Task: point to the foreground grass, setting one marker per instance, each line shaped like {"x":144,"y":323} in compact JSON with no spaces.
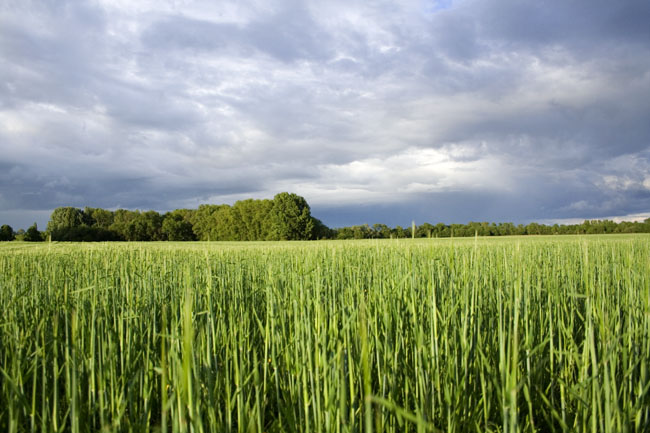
{"x":509,"y":334}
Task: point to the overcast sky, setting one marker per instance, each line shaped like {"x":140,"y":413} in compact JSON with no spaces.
{"x":374,"y":111}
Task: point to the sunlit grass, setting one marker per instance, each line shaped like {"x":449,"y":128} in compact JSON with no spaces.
{"x":509,"y":334}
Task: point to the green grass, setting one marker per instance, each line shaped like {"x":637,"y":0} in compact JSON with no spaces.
{"x":527,"y":334}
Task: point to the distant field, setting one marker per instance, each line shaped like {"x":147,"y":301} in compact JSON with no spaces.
{"x":460,"y":335}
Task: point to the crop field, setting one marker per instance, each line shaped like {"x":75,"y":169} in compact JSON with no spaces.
{"x":530,"y":334}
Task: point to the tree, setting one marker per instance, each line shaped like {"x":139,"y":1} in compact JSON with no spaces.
{"x":399,"y":232}
{"x":291,"y":217}
{"x":137,"y":226}
{"x":424,"y":231}
{"x":204,"y":222}
{"x":177,"y":228}
{"x":362,"y":232}
{"x":153,"y":222}
{"x":344,"y":233}
{"x":143,"y":226}
{"x":226,"y":227}
{"x":7,"y":233}
{"x":321,"y":231}
{"x":121,"y":220}
{"x":441,"y":231}
{"x":64,"y":218}
{"x":504,"y":229}
{"x":32,"y":234}
{"x":381,"y":231}
{"x":101,"y":218}
{"x":252,"y":219}
{"x":74,"y":225}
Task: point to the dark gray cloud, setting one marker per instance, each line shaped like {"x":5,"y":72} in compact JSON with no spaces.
{"x":375,"y":112}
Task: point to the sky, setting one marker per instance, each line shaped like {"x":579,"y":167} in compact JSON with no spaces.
{"x":374,"y":111}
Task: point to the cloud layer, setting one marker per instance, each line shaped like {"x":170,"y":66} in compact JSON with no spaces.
{"x":374,"y":111}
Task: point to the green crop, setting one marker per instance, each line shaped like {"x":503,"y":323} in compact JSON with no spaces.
{"x":512,"y":334}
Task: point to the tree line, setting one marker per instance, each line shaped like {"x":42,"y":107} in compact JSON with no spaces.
{"x":286,"y":217}
{"x":440,"y":230}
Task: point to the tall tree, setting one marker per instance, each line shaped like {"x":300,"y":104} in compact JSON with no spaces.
{"x":64,"y":218}
{"x":291,"y":217}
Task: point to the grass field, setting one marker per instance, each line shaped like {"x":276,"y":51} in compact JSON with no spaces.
{"x":475,"y":335}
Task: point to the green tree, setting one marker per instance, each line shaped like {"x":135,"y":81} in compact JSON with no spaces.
{"x":226,"y":224}
{"x":399,"y":232}
{"x":177,"y":228}
{"x":381,"y":231}
{"x":64,"y":218}
{"x":98,"y":217}
{"x":321,"y":231}
{"x":362,"y":232}
{"x":291,"y":218}
{"x":32,"y":234}
{"x":137,"y":226}
{"x":425,"y":230}
{"x":344,"y":233}
{"x":505,"y":229}
{"x":441,"y":230}
{"x":251,"y":218}
{"x":204,"y":222}
{"x":7,"y":233}
{"x":144,"y":226}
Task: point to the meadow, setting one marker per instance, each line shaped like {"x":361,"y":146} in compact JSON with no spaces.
{"x":513,"y":334}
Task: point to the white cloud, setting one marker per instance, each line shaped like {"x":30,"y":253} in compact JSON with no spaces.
{"x":618,"y":183}
{"x":402,"y":176}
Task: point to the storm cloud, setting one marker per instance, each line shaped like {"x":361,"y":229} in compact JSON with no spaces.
{"x":373,"y":111}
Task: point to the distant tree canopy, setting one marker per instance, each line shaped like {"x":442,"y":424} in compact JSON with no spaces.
{"x":286,"y":217}
{"x":441,"y":230}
